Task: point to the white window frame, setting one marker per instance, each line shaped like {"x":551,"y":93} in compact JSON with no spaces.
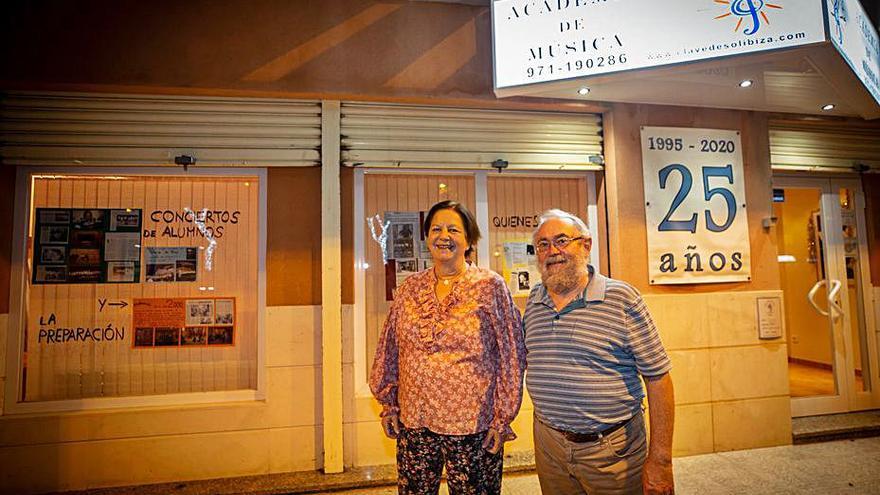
{"x":481,"y":212}
{"x":18,"y":284}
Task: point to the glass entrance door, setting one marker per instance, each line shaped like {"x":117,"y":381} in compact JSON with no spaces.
{"x":823,"y":263}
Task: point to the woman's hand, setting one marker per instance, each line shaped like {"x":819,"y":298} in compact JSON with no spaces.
{"x":391,"y":425}
{"x":492,"y":443}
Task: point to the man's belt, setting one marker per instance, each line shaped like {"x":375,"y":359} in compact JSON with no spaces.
{"x":573,"y":436}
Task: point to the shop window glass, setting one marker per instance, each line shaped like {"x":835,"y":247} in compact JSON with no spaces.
{"x":515,"y":201}
{"x":140,"y":285}
{"x":515,"y":204}
{"x":399,"y":200}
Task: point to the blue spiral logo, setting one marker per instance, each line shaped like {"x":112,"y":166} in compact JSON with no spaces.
{"x":748,"y":9}
{"x":751,"y":11}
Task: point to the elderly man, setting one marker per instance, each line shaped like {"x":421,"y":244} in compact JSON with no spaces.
{"x":589,"y":338}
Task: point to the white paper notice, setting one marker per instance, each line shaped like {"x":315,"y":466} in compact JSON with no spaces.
{"x":122,"y":246}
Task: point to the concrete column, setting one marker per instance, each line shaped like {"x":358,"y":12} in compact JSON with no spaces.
{"x":331,"y":288}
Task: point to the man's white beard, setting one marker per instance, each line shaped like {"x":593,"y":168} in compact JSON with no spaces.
{"x":567,"y":279}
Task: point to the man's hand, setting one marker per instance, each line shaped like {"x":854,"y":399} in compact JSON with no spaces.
{"x":391,"y":425}
{"x":657,"y":477}
{"x":492,"y":443}
{"x":657,"y":472}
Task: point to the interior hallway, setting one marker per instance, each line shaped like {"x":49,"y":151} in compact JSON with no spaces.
{"x":807,"y":381}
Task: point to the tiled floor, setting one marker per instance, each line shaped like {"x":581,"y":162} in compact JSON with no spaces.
{"x":842,"y":467}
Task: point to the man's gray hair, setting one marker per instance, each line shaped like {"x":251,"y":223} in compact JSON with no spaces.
{"x":563,"y":215}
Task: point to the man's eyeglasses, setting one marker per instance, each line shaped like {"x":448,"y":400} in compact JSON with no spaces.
{"x":560,"y":243}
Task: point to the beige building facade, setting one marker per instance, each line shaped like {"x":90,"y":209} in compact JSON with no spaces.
{"x":306,"y":119}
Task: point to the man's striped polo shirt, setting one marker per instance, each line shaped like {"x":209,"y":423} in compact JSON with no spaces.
{"x":584,"y":361}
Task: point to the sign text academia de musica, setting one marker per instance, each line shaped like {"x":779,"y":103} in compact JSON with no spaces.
{"x":533,"y":8}
{"x":538,"y":41}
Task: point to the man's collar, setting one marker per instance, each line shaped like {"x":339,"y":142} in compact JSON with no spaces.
{"x":595,"y":291}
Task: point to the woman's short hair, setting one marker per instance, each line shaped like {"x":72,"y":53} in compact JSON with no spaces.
{"x":563,"y":215}
{"x":471,"y":229}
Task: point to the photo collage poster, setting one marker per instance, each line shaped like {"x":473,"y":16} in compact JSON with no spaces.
{"x":171,"y":264}
{"x":87,"y":246}
{"x":406,"y":250}
{"x":184,"y":322}
{"x":520,"y":267}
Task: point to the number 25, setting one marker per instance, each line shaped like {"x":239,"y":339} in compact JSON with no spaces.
{"x":687,"y":182}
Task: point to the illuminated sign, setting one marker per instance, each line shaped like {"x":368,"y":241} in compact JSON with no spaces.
{"x":538,"y":41}
{"x":856,"y":40}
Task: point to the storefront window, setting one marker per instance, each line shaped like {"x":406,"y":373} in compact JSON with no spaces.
{"x":393,"y":209}
{"x":515,"y":204}
{"x":400,"y":200}
{"x":140,"y":285}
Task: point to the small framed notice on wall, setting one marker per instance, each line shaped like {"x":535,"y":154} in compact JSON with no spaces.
{"x":769,"y":317}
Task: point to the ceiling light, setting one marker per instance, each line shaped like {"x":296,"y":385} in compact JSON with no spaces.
{"x":584,"y":91}
{"x":746,"y":83}
{"x":828,"y":107}
{"x":785,"y":258}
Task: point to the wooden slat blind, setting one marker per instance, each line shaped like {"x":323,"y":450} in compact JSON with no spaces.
{"x":528,"y":196}
{"x":385,"y":192}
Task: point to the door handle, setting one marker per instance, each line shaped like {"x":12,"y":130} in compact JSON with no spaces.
{"x":832,"y":299}
{"x":811,"y":298}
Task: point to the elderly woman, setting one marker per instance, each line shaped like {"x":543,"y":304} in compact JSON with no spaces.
{"x":449,"y":365}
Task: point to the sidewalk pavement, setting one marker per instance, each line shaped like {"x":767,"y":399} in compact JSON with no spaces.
{"x":831,"y":468}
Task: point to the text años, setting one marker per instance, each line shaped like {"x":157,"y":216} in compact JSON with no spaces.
{"x":716,"y":262}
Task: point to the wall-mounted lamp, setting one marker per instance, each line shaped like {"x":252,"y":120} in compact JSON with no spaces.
{"x":500,"y":164}
{"x":185,"y":160}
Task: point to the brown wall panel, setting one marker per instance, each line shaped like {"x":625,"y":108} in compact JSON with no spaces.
{"x":391,"y":50}
{"x":293,"y":237}
{"x":342,"y":46}
{"x":628,"y":250}
{"x":7,"y":206}
{"x":871,"y":185}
